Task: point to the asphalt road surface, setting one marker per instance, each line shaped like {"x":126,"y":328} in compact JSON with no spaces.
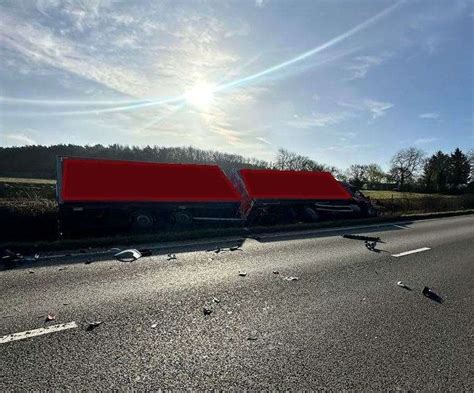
{"x":344,"y":324}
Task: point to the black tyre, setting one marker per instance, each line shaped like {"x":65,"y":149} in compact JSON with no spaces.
{"x":183,"y":219}
{"x":142,"y":221}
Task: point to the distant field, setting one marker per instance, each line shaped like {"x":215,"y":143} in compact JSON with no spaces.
{"x":404,"y":195}
{"x":27,"y":181}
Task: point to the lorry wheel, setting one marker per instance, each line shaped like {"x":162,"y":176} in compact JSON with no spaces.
{"x":183,"y":219}
{"x":311,"y":215}
{"x":142,"y":220}
{"x":371,"y":212}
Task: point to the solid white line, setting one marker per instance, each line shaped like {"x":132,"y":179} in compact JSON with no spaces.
{"x":398,"y":226}
{"x":37,"y":332}
{"x":411,"y":252}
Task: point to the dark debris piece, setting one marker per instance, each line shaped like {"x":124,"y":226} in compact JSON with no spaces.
{"x":207,"y":311}
{"x":276,"y":272}
{"x":50,"y":317}
{"x":93,"y":325}
{"x":430,"y":293}
{"x":364,"y":238}
{"x":172,"y":257}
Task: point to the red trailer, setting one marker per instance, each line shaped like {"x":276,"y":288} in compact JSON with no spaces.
{"x":97,"y":192}
{"x":274,"y":195}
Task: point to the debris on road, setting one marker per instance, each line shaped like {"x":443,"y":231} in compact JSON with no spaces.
{"x":93,"y":325}
{"x":215,"y":300}
{"x":30,"y":271}
{"x":365,"y":238}
{"x":291,"y":278}
{"x":370,"y":245}
{"x":242,"y":274}
{"x":207,"y":311}
{"x":404,"y":286}
{"x":430,"y":293}
{"x":252,"y":338}
{"x":172,"y":257}
{"x":154,"y":325}
{"x":130,"y":255}
{"x":235,"y":248}
{"x":276,"y":272}
{"x":50,"y":317}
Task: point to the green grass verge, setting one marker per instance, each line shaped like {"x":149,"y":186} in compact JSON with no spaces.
{"x":24,"y":180}
{"x":406,"y":195}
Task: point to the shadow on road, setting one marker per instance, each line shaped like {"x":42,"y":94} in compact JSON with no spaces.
{"x":90,"y":256}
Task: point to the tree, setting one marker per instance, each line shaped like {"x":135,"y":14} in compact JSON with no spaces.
{"x":287,"y":160}
{"x":357,"y":175}
{"x":435,"y":172}
{"x":375,"y":174}
{"x":458,"y":170}
{"x":405,"y":165}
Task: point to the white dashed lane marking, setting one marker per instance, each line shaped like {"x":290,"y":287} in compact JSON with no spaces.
{"x":37,"y":332}
{"x":402,"y":254}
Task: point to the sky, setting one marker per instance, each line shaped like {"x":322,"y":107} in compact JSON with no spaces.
{"x":343,"y":81}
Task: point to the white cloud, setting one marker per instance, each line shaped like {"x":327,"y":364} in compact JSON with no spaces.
{"x":318,"y":120}
{"x":362,"y":65}
{"x":377,"y":108}
{"x":429,"y":115}
{"x":19,"y":139}
{"x":261,"y":3}
{"x":425,"y":141}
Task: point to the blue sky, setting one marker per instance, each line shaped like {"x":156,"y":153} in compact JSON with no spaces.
{"x":340,"y":81}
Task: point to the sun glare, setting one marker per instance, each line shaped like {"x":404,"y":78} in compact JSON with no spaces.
{"x":201,"y":95}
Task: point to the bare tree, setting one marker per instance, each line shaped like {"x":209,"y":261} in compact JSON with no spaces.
{"x":375,"y":174}
{"x":287,"y":160}
{"x":357,"y":175}
{"x":405,"y":165}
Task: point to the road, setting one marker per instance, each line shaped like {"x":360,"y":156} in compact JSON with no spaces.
{"x":344,"y":324}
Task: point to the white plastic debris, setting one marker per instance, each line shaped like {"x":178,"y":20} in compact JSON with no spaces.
{"x":128,"y":255}
{"x":172,"y":257}
{"x":154,"y":325}
{"x":403,"y":285}
{"x":242,"y":274}
{"x":291,"y":278}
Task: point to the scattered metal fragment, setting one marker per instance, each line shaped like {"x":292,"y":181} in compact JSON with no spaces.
{"x":252,"y":338}
{"x":242,"y":274}
{"x":215,"y":300}
{"x":30,"y":271}
{"x":128,"y":255}
{"x":93,"y":325}
{"x":154,"y":325}
{"x":50,"y":317}
{"x":172,"y":257}
{"x":370,"y":245}
{"x":276,"y":272}
{"x":207,"y":311}
{"x":403,"y":285}
{"x":430,"y":293}
{"x":291,"y":278}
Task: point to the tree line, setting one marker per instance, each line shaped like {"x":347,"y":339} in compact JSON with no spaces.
{"x":410,"y":168}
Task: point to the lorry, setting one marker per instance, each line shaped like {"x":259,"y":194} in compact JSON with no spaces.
{"x":99,"y":194}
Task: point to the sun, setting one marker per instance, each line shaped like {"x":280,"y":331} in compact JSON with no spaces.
{"x":200,"y":95}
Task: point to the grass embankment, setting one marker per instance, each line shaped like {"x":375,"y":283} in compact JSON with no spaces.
{"x":28,"y":212}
